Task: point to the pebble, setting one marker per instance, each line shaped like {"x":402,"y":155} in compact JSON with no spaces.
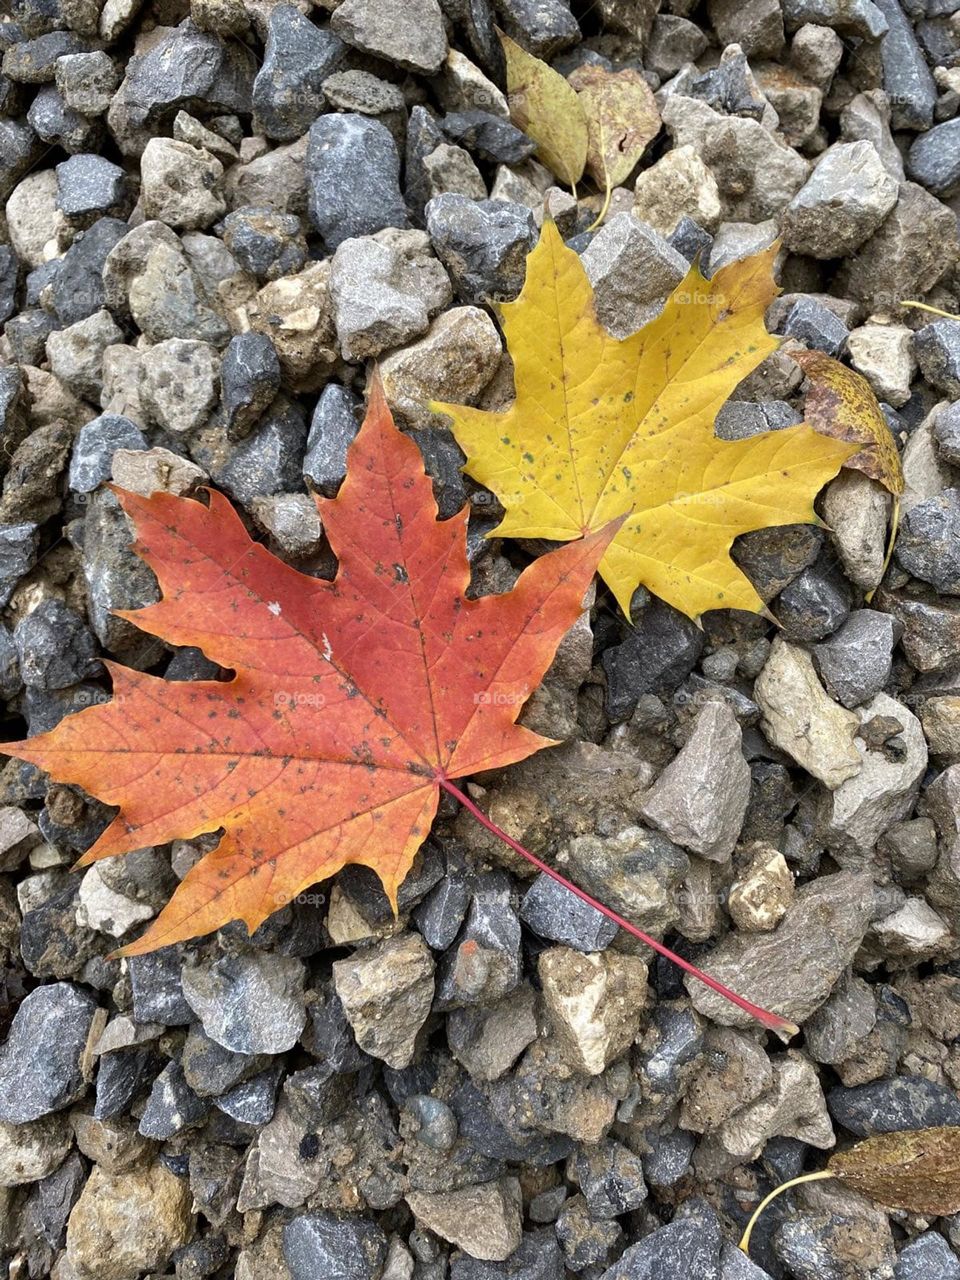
{"x":893,"y":1104}
{"x":679,"y":185}
{"x":594,"y":1004}
{"x":89,"y":184}
{"x":883,"y":353}
{"x":353,"y":178}
{"x":700,"y":799}
{"x":901,"y":259}
{"x":794,"y":968}
{"x":265,"y":242}
{"x":484,"y":1220}
{"x":656,"y":656}
{"x":298,"y":56}
{"x":632,"y":269}
{"x":842,"y":203}
{"x":95,"y":446}
{"x":87,"y":81}
{"x":249,"y":380}
{"x":811,"y":323}
{"x":127,"y":1223}
{"x":799,"y":717}
{"x":856,"y":661}
{"x":49,"y":1031}
{"x":332,"y":429}
{"x":937,"y":350}
{"x":488,"y":1041}
{"x":685,"y":1246}
{"x":346,"y":1248}
{"x":386,"y":992}
{"x":180,"y":379}
{"x":934,"y":158}
{"x":557,"y":915}
{"x":483,"y":244}
{"x":248,"y":1002}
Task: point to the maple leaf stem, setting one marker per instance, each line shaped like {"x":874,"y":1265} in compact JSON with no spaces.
{"x":772,"y":1021}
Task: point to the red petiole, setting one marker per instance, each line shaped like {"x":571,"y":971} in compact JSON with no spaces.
{"x":772,"y":1021}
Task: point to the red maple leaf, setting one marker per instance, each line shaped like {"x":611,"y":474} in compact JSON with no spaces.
{"x":352,"y":704}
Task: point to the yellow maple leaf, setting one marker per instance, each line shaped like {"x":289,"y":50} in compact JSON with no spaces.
{"x":602,"y":427}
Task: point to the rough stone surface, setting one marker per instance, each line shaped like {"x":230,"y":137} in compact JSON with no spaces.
{"x":386,"y":994}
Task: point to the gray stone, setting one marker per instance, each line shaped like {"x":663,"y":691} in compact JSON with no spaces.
{"x":76,"y":353}
{"x":656,"y":656}
{"x":937,"y":348}
{"x":78,"y":290}
{"x":97,"y":441}
{"x":816,"y":602}
{"x":927,"y":1256}
{"x":19,"y":149}
{"x":172,"y":1105}
{"x":855,"y":662}
{"x":812,"y":324}
{"x":686,"y":1246}
{"x":833,"y":1032}
{"x":632,"y":269}
{"x":934,"y":159}
{"x":34,"y":61}
{"x":674,"y":43}
{"x":322,"y":1244}
{"x":484,"y":963}
{"x":378,"y":298}
{"x":53,"y":121}
{"x":265,"y":242}
{"x":928,"y":543}
{"x":157,"y":990}
{"x":29,"y":1152}
{"x":483,"y":1220}
{"x":179,"y":383}
{"x":906,"y":77}
{"x":488,"y":136}
{"x":543,"y":27}
{"x":116,"y":579}
{"x":409,"y":33}
{"x":841,"y":205}
{"x":87,"y":81}
{"x":40,"y":1062}
{"x":55,"y":647}
{"x":386,"y":992}
{"x":700,"y":799}
{"x":905,"y":257}
{"x":854,"y":816}
{"x":9,"y":274}
{"x":488,"y":1040}
{"x":756,"y":26}
{"x":332,"y":429}
{"x":248,"y":1002}
{"x":556,"y":914}
{"x":436,"y":1125}
{"x":180,"y":184}
{"x":269,"y":460}
{"x":249,"y":380}
{"x":636,"y":872}
{"x":353,"y":178}
{"x":298,"y":56}
{"x":892,"y":1105}
{"x":611,"y":1179}
{"x":89,"y":184}
{"x":365,"y":93}
{"x":854,"y":17}
{"x":946,"y":431}
{"x":793,"y":969}
{"x":483,"y":244}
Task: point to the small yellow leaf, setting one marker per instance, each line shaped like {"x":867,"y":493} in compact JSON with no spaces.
{"x":918,"y":1169}
{"x":545,"y":106}
{"x":841,"y":403}
{"x":622,"y":118}
{"x":603,"y":427}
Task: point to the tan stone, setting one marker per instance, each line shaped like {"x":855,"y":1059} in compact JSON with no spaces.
{"x":127,"y":1223}
{"x":594,"y":1003}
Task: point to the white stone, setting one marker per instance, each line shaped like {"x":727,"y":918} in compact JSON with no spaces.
{"x":762,"y":892}
{"x":181,"y":185}
{"x":915,"y":932}
{"x":883,"y":353}
{"x":180,"y":383}
{"x":38,"y":230}
{"x":156,"y":470}
{"x":101,"y":908}
{"x":794,"y":1108}
{"x":594,"y":1003}
{"x":800,"y":718}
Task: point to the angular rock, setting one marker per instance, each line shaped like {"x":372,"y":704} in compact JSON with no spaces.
{"x":249,"y":1002}
{"x":483,"y":244}
{"x":353,"y":178}
{"x":249,"y":380}
{"x":554,"y":913}
{"x":594,"y":1003}
{"x":856,"y":661}
{"x":894,"y":1104}
{"x":409,"y":33}
{"x":298,"y":57}
{"x":632,"y":269}
{"x":906,"y":76}
{"x":386,"y":992}
{"x":842,"y":203}
{"x":180,"y":379}
{"x":94,"y":448}
{"x":322,"y":1244}
{"x":40,"y":1063}
{"x":484,"y":1220}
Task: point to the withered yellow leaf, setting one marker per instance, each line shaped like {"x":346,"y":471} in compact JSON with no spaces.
{"x":546,"y":108}
{"x":841,"y":403}
{"x":918,"y":1169}
{"x":603,"y":427}
{"x":622,"y":118}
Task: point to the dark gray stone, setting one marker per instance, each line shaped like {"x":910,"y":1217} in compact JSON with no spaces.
{"x":690,"y":239}
{"x":855,"y":662}
{"x":656,"y":656}
{"x":729,"y":88}
{"x":482,"y":243}
{"x":488,"y":136}
{"x":489,"y":946}
{"x":558,"y":915}
{"x":443,"y":462}
{"x":40,"y":1062}
{"x":269,"y":460}
{"x":333,"y":426}
{"x":928,"y":545}
{"x":538,"y":1258}
{"x":59,"y":125}
{"x":611,"y":1179}
{"x":121,"y":1077}
{"x":684,"y":1247}
{"x":265,"y":242}
{"x":250,"y":1002}
{"x":34,"y":61}
{"x":298,"y":56}
{"x":815,"y":326}
{"x":937,"y":348}
{"x":772,"y":558}
{"x":907,"y":79}
{"x":946,"y":431}
{"x":322,"y":1244}
{"x":815,"y":603}
{"x":172,"y":1105}
{"x":77,"y":289}
{"x":27,"y":333}
{"x":739,"y":419}
{"x":928,"y":1257}
{"x":45,"y":1213}
{"x":668,"y":1159}
{"x":18,"y":555}
{"x":852,"y":17}
{"x":97,"y":441}
{"x":423,"y":137}
{"x":116,"y":579}
{"x":893,"y":1104}
{"x":353,"y":178}
{"x":543,"y":27}
{"x":89,"y":184}
{"x":157,"y":990}
{"x":19,"y":149}
{"x":934,"y":158}
{"x":9,"y":276}
{"x":55,"y":647}
{"x":436,"y":1125}
{"x":249,"y":380}
{"x":441,"y":913}
{"x":252,"y":1101}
